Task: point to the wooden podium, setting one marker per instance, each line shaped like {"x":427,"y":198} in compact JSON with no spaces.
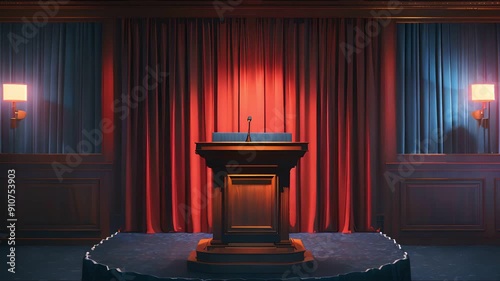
{"x":250,"y":208}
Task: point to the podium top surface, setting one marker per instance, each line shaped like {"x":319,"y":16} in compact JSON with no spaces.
{"x":281,"y":154}
{"x":264,"y":149}
{"x":259,"y":145}
{"x":251,"y":152}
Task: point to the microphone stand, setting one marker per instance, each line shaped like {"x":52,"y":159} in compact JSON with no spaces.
{"x":249,"y":139}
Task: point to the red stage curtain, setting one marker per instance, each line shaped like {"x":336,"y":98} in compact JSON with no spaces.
{"x":182,"y":79}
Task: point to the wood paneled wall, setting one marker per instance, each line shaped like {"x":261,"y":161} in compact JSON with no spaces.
{"x":445,"y":198}
{"x":74,"y":207}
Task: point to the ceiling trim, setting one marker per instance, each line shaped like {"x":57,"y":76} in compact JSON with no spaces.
{"x":409,"y":11}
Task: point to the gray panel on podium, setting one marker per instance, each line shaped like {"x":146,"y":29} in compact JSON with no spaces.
{"x":255,"y":136}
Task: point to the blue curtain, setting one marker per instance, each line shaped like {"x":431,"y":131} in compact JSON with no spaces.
{"x":61,"y":64}
{"x":436,"y":65}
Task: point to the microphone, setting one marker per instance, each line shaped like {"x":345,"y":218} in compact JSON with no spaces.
{"x":249,"y":119}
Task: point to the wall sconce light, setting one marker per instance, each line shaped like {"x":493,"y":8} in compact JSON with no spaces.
{"x":15,"y":93}
{"x":484,"y":93}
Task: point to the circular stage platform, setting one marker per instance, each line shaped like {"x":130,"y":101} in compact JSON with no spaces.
{"x":163,"y":256}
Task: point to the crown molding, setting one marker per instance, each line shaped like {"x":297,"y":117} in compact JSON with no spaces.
{"x":408,"y":11}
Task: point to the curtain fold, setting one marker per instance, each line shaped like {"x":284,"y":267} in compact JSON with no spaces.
{"x":61,"y":65}
{"x":437,"y":63}
{"x":318,"y":79}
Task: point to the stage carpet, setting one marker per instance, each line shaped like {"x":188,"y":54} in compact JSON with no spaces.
{"x":163,"y":256}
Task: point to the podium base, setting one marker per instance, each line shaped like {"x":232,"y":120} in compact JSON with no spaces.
{"x":248,"y":257}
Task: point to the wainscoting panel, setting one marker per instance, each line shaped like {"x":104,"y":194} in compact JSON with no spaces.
{"x":48,"y":204}
{"x":56,"y":207}
{"x":442,"y":204}
{"x":444,"y":199}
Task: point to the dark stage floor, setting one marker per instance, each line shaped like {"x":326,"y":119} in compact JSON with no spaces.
{"x":451,"y":263}
{"x":359,"y":256}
